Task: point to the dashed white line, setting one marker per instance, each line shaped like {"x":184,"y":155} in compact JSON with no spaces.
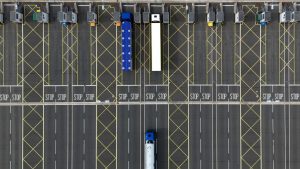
{"x":128,"y":125}
{"x":201,"y":164}
{"x":200,"y":145}
{"x":273,"y":126}
{"x":10,"y":149}
{"x":128,"y":150}
{"x":156,"y":124}
{"x":83,"y":149}
{"x":55,"y":126}
{"x":83,"y":164}
{"x":200,"y":142}
{"x":228,"y":122}
{"x":83,"y":127}
{"x":55,"y":148}
{"x":273,"y":148}
{"x":200,"y":125}
{"x":228,"y":150}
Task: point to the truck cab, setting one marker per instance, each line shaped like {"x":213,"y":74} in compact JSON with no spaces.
{"x":150,"y":137}
{"x":149,"y":154}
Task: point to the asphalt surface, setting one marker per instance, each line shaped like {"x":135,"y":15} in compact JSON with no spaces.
{"x":217,"y":103}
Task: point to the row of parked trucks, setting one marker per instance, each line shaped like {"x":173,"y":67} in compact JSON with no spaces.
{"x":126,"y":27}
{"x":215,"y":15}
{"x":289,"y":12}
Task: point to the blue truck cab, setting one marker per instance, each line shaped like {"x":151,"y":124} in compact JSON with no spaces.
{"x":150,"y":137}
{"x":126,"y":26}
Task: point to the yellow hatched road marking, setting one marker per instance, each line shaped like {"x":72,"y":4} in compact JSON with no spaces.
{"x":166,"y":55}
{"x":32,"y":152}
{"x":106,"y":129}
{"x":178,"y":127}
{"x":287,"y":49}
{"x":237,"y":54}
{"x":106,"y":84}
{"x":146,"y":48}
{"x":138,"y":50}
{"x":253,"y":112}
{"x":106,"y":153}
{"x":192,"y":55}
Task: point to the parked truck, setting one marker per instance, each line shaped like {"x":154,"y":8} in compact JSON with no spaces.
{"x":149,"y":155}
{"x":126,"y":26}
{"x":156,"y":42}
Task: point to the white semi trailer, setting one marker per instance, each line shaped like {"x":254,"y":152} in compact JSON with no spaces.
{"x":149,"y":161}
{"x":156,"y":42}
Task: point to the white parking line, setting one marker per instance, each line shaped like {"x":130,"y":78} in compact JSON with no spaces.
{"x":72,"y":108}
{"x":273,"y":147}
{"x":10,"y":137}
{"x":228,"y":137}
{"x":260,"y":94}
{"x":289,"y":137}
{"x":128,"y":141}
{"x":228,"y":152}
{"x":212,"y":138}
{"x":55,"y":135}
{"x":43,"y":93}
{"x":240,"y":98}
{"x":84,"y":114}
{"x":156,"y":140}
{"x":22,"y":97}
{"x":188,"y":92}
{"x":67,"y":109}
{"x":83,"y":150}
{"x":273,"y":141}
{"x":285,"y":138}
{"x":289,"y":120}
{"x":284,"y":100}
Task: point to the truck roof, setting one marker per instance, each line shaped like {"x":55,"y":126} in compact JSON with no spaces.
{"x":126,"y":46}
{"x":150,"y":136}
{"x":126,"y":16}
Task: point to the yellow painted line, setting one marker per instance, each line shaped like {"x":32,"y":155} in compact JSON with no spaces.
{"x":2,"y":54}
{"x":62,"y":51}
